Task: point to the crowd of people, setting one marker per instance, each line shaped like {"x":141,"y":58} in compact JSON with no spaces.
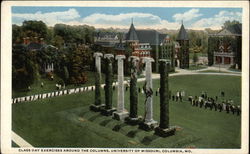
{"x":214,"y":104}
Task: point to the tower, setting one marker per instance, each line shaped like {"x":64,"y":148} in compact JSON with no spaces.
{"x":131,"y":37}
{"x":183,"y":41}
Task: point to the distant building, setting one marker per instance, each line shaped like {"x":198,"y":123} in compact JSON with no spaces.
{"x":225,"y":46}
{"x":168,"y":51}
{"x":145,"y":43}
{"x":183,"y":43}
{"x":37,"y":45}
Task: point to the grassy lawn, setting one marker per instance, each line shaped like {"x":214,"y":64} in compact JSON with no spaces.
{"x":66,"y":121}
{"x":213,"y":71}
{"x":196,"y":67}
{"x":50,"y":86}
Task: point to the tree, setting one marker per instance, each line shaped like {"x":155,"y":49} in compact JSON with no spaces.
{"x":195,"y":58}
{"x":65,"y":74}
{"x":229,"y":23}
{"x":35,"y":28}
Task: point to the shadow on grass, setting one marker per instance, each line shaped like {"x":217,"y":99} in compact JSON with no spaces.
{"x":133,"y":133}
{"x":118,"y":127}
{"x":148,"y":139}
{"x":105,"y":122}
{"x":83,"y":113}
{"x":93,"y":118}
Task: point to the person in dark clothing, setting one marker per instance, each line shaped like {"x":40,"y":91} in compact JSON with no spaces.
{"x":219,"y":107}
{"x":227,"y":107}
{"x":215,"y":106}
{"x":216,"y":98}
{"x":238,"y":110}
{"x":139,"y":90}
{"x":222,"y":94}
{"x":126,"y":88}
{"x":205,"y":95}
{"x":201,"y":103}
{"x":156,"y":93}
{"x":173,"y":97}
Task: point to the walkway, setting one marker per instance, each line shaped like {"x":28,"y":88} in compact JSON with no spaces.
{"x":20,"y":141}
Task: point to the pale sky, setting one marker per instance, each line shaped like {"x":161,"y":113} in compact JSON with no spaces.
{"x":120,"y":17}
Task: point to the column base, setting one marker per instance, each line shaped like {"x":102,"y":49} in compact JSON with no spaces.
{"x":165,"y":132}
{"x":148,"y":126}
{"x":107,"y":112}
{"x":96,"y":108}
{"x":133,"y":121}
{"x":120,"y":115}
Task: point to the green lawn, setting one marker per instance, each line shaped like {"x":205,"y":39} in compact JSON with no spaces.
{"x":213,"y":71}
{"x":66,"y":121}
{"x":50,"y":86}
{"x":196,"y":67}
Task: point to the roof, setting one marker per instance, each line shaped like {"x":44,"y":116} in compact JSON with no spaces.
{"x":182,"y":35}
{"x":235,"y":29}
{"x":131,"y":35}
{"x":150,"y":36}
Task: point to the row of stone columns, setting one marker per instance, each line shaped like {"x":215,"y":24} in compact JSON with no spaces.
{"x":148,"y":123}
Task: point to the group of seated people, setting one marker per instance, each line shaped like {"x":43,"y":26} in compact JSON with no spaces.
{"x":213,"y":103}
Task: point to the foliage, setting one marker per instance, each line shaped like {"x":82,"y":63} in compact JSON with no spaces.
{"x":97,"y":88}
{"x":133,"y":91}
{"x":229,"y":23}
{"x":23,"y":68}
{"x":108,"y":83}
{"x":195,"y":58}
{"x":164,"y":95}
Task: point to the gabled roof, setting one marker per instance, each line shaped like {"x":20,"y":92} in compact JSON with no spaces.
{"x":131,"y":35}
{"x":182,"y":35}
{"x":235,"y":29}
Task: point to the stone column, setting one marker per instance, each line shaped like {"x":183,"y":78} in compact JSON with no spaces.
{"x":222,"y":60}
{"x":133,"y":117}
{"x":164,"y":129}
{"x":232,"y":61}
{"x":121,"y":113}
{"x":108,"y":110}
{"x":97,"y":104}
{"x":148,"y":123}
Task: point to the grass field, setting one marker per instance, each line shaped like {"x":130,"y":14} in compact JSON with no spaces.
{"x":196,"y":67}
{"x":66,"y":121}
{"x":50,"y":86}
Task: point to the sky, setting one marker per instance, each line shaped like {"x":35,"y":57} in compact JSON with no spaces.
{"x":121,"y":17}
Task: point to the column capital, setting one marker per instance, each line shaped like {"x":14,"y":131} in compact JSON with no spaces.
{"x":147,"y":59}
{"x":108,"y":56}
{"x":118,"y":57}
{"x":98,"y":54}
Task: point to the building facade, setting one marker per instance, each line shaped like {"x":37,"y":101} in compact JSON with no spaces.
{"x":225,"y":47}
